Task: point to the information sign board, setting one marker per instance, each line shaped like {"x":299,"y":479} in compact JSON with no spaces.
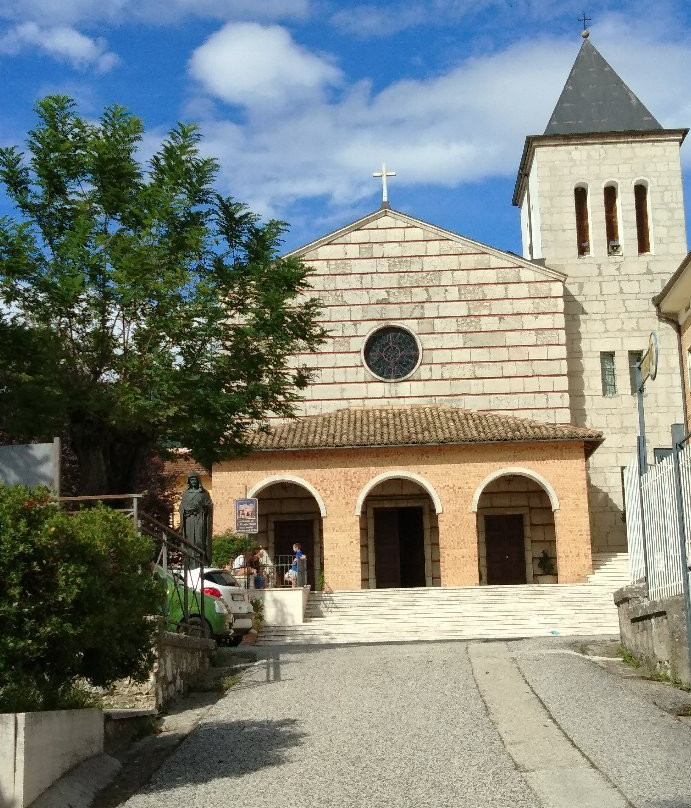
{"x":246,"y":516}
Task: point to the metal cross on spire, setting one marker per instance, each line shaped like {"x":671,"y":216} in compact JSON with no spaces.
{"x":384,"y":174}
{"x":585,"y":20}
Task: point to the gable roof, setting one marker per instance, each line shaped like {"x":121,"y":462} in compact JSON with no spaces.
{"x":676,"y":293}
{"x":595,"y":99}
{"x":440,"y":232}
{"x":414,"y":425}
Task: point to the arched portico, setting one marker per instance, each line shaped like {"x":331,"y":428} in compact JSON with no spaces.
{"x":515,"y":528}
{"x":399,"y":532}
{"x":290,"y":510}
{"x":523,"y":472}
{"x":288,"y":478}
{"x":398,"y":474}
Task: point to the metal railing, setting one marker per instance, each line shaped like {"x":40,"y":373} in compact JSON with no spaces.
{"x":258,"y":576}
{"x":652,"y":524}
{"x":177,"y":558}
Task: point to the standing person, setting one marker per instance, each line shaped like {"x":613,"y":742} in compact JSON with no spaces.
{"x":291,"y":576}
{"x":244,"y":570}
{"x":266,"y":566}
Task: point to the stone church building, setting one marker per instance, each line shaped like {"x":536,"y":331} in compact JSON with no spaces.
{"x":472,"y":409}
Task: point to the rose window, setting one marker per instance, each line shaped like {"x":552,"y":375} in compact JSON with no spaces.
{"x":392,"y":353}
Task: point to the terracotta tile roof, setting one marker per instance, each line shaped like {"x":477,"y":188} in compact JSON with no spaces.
{"x":413,"y":425}
{"x":183,"y":463}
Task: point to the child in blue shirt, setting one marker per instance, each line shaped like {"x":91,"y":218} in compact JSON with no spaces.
{"x":291,"y":576}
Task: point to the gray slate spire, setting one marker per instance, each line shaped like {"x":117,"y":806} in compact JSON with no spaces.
{"x":595,"y":99}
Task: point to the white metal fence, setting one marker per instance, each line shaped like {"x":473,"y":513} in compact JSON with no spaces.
{"x":652,"y":516}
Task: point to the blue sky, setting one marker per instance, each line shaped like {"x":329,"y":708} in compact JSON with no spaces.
{"x":302,"y":99}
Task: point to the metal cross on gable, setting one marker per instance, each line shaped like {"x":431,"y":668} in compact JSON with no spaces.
{"x":384,"y":174}
{"x":585,"y":20}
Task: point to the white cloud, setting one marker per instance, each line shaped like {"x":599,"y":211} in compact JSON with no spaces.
{"x":464,"y":126}
{"x":61,"y":42}
{"x":260,"y":66}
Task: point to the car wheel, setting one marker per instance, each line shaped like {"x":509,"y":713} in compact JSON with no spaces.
{"x":198,"y":627}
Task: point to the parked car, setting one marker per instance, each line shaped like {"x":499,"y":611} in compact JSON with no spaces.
{"x":220,"y":583}
{"x":217,"y":621}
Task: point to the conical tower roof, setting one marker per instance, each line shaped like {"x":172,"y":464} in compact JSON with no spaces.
{"x":595,"y":99}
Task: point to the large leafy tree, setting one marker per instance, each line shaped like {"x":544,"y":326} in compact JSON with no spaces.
{"x":138,"y":307}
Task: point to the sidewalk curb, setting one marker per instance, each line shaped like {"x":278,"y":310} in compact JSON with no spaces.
{"x":79,"y":786}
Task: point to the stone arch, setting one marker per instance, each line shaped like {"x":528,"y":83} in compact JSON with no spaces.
{"x":289,"y":478}
{"x":533,"y":475}
{"x":399,"y":474}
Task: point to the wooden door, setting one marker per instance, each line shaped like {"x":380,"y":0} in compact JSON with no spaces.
{"x":505,"y":548}
{"x":411,"y":542}
{"x":289,"y":531}
{"x":387,"y":563}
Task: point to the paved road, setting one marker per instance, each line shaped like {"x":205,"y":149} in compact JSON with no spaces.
{"x":436,"y":724}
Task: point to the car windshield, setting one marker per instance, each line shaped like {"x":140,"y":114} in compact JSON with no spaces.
{"x":221,"y":578}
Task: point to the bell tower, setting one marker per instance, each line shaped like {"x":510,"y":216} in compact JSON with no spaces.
{"x":600,"y":194}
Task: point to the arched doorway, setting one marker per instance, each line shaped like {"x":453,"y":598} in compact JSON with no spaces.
{"x":399,"y":536}
{"x":289,"y":513}
{"x":515,"y":532}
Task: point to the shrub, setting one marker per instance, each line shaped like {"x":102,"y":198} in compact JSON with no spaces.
{"x":76,"y":600}
{"x":227,"y":546}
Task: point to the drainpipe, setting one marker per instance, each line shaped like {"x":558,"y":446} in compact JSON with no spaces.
{"x":677,"y":328}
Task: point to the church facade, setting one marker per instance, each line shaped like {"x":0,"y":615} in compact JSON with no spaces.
{"x":454,"y":431}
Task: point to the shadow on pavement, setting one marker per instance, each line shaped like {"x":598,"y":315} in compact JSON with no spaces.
{"x":227,"y":749}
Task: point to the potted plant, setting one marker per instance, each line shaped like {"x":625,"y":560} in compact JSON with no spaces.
{"x":548,"y":569}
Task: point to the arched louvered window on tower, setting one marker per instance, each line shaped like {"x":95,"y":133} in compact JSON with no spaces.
{"x":640,"y":195}
{"x":580,"y":196}
{"x":612,"y":219}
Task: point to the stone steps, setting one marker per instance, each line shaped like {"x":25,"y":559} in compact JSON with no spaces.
{"x":611,"y":569}
{"x":458,"y":613}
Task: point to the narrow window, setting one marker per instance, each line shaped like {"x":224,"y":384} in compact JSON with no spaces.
{"x":634,"y":359}
{"x":640,"y":194}
{"x":580,"y":195}
{"x":609,"y":378}
{"x":612,"y":220}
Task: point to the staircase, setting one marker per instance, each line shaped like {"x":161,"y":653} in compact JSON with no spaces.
{"x":460,"y":613}
{"x":610,"y":569}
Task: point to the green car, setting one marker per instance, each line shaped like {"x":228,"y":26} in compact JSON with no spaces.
{"x":217,"y":621}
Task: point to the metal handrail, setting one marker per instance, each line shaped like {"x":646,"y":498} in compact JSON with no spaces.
{"x":173,"y":543}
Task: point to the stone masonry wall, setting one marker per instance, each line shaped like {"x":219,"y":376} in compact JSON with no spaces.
{"x":608,"y":304}
{"x":654,"y":631}
{"x":454,"y":473}
{"x":179,"y":659}
{"x":490,"y":328}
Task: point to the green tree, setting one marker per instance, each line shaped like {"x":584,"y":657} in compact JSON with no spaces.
{"x":138,"y":307}
{"x":76,"y":599}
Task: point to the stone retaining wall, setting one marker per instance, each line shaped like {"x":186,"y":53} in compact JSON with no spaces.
{"x":180,"y":659}
{"x":654,"y":631}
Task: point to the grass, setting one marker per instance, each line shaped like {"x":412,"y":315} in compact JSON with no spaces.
{"x":230,"y":681}
{"x":628,"y":657}
{"x":661,"y":675}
